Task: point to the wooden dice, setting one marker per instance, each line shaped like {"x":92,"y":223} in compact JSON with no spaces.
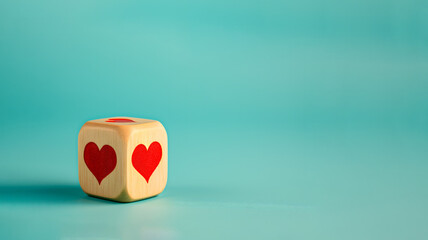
{"x":123,"y":159}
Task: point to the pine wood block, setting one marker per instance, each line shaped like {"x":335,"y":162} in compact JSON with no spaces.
{"x":123,"y":159}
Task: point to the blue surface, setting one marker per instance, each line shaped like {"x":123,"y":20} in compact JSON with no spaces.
{"x":286,"y":119}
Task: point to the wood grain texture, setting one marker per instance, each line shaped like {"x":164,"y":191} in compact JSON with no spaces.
{"x":124,"y":183}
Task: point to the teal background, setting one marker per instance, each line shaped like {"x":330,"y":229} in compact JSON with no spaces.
{"x":286,"y":119}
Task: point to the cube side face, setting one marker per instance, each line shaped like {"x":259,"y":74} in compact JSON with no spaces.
{"x":101,"y":160}
{"x":147,"y":160}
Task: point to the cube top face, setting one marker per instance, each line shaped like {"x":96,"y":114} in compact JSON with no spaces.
{"x":122,"y":121}
{"x":123,"y":159}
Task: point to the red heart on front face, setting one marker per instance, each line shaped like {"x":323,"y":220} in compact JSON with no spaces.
{"x":100,"y":162}
{"x":146,"y":161}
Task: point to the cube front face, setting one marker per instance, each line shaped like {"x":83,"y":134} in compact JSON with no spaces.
{"x":101,"y":151}
{"x":123,"y":159}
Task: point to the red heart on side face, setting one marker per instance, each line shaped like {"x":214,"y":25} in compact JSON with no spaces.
{"x":100,"y":162}
{"x":146,"y":161}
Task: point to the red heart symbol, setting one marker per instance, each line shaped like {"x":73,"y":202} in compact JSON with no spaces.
{"x":119,"y":120}
{"x":100,"y":162}
{"x":146,"y":161}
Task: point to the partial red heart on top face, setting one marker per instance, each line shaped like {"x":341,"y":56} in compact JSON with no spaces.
{"x":100,"y":162}
{"x":119,"y":120}
{"x":145,"y":161}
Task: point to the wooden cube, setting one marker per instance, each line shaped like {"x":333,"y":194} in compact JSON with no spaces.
{"x":123,"y":159}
